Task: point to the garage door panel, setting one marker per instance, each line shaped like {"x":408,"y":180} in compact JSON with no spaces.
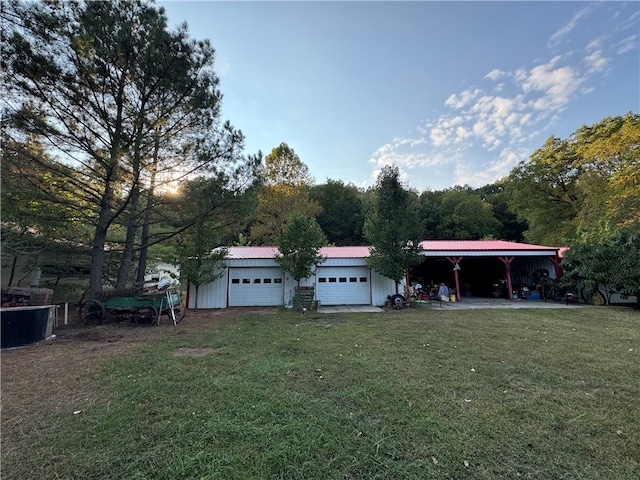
{"x":254,"y":286}
{"x":343,"y":286}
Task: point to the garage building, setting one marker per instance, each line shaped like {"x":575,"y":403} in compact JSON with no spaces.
{"x":253,"y":278}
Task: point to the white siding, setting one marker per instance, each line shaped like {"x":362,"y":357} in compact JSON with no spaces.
{"x":211,"y":295}
{"x":381,"y":288}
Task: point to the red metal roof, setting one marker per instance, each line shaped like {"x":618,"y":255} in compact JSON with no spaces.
{"x":238,"y":253}
{"x":479,"y":246}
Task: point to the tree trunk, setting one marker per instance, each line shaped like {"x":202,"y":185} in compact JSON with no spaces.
{"x":13,"y":270}
{"x":129,"y":244}
{"x":144,"y":246}
{"x":99,"y":241}
{"x":97,"y":260}
{"x":144,"y":241}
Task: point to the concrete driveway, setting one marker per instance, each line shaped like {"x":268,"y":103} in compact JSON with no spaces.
{"x":466,"y":304}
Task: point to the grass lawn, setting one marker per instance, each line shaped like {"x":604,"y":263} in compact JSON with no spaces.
{"x":413,"y":394}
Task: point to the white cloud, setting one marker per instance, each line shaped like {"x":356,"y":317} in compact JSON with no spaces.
{"x":596,"y":62}
{"x":567,"y":28}
{"x":457,"y":102}
{"x":627,"y":44}
{"x":477,"y":175}
{"x":494,"y":74}
{"x":554,"y":85}
{"x":502,"y":118}
{"x":403,"y":154}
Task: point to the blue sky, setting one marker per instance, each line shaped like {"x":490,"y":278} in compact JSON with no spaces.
{"x":453,"y":93}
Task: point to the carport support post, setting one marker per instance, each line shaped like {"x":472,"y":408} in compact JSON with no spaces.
{"x":455,"y":261}
{"x":507,"y":267}
{"x":556,"y":263}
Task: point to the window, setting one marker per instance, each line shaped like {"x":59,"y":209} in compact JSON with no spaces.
{"x":256,"y":280}
{"x":266,"y":280}
{"x":353,"y":279}
{"x":343,"y":279}
{"x":246,"y":280}
{"x":332,"y":279}
{"x":235,"y":280}
{"x":322,"y":280}
{"x":363,"y":279}
{"x":277,"y":280}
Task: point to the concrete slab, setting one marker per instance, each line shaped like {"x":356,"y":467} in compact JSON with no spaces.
{"x":467,"y":303}
{"x":349,"y":309}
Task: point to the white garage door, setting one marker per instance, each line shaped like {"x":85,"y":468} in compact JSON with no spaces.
{"x":249,"y":287}
{"x":343,"y":286}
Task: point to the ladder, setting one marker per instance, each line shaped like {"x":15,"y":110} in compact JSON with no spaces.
{"x":168,"y":298}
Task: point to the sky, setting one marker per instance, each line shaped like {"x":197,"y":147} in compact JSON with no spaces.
{"x":452,"y":93}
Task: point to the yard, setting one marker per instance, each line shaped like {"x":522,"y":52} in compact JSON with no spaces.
{"x":411,"y":394}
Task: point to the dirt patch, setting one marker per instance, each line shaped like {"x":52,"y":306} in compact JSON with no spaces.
{"x":194,"y":352}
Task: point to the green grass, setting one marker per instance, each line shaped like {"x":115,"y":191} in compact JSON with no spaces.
{"x":420,"y":394}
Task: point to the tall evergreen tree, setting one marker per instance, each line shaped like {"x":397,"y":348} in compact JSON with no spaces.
{"x":99,"y":83}
{"x":392,"y":228}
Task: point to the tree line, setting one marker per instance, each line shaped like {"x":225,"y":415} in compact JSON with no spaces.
{"x":115,"y":155}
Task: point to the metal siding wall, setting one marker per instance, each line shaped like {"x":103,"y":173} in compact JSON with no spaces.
{"x":289,"y":289}
{"x":381,"y":288}
{"x":252,"y":262}
{"x":522,"y":268}
{"x":344,"y":262}
{"x":211,"y":295}
{"x":214,"y":295}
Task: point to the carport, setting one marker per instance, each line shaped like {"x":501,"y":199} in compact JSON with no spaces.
{"x":485,"y":268}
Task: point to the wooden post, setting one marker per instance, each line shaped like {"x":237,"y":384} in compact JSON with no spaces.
{"x":456,"y":267}
{"x":507,"y":267}
{"x":556,"y":263}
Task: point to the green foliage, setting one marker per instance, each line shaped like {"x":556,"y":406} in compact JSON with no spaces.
{"x":391,"y":227}
{"x":609,"y":266}
{"x":546,"y":192}
{"x":499,"y":195}
{"x":122,"y":104}
{"x":464,"y":216}
{"x":342,"y":215}
{"x":299,"y":246}
{"x":430,"y":213}
{"x":587,"y":184}
{"x":199,"y":264}
{"x":286,"y":188}
{"x":219,"y":211}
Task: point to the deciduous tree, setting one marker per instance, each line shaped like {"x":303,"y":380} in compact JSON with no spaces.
{"x":465,"y":216}
{"x":342,"y":215}
{"x":299,"y":246}
{"x":585,"y":186}
{"x":286,"y":189}
{"x":606,"y":266}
